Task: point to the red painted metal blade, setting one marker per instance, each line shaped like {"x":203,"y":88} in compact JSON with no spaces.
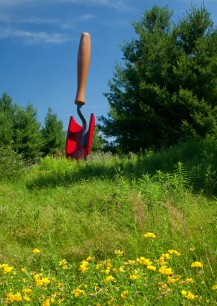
{"x":90,"y":133}
{"x":73,"y":139}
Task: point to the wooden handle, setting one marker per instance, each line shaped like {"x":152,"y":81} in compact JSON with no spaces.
{"x":82,"y":67}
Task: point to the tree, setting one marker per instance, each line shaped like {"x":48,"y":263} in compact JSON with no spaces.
{"x":97,"y":143}
{"x":53,"y":134}
{"x":167,"y":88}
{"x":6,"y":120}
{"x":27,"y":137}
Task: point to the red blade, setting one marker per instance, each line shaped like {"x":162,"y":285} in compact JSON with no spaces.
{"x":73,"y":139}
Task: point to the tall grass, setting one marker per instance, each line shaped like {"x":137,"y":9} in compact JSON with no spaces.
{"x":71,"y":210}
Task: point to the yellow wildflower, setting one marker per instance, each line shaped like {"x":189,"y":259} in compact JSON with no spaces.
{"x":52,"y":300}
{"x":189,"y":295}
{"x":76,"y":292}
{"x":99,"y":265}
{"x":149,"y":235}
{"x":121,"y":269}
{"x":84,"y":266}
{"x":124,"y":294}
{"x":45,"y":281}
{"x":145,"y":261}
{"x":14,"y":297}
{"x":36,"y":251}
{"x":26,"y":298}
{"x":112,"y":300}
{"x":134,"y":276}
{"x":189,"y":280}
{"x":196,"y":264}
{"x":108,"y":279}
{"x":172,"y":279}
{"x":39,"y":281}
{"x":46,"y":302}
{"x":214,"y":287}
{"x":63,"y":262}
{"x":165,"y":270}
{"x":6,"y":268}
{"x":164,"y":258}
{"x":119,"y":252}
{"x":152,"y":268}
{"x":174,"y":252}
{"x":27,"y":290}
{"x":108,"y":263}
{"x":131,"y":262}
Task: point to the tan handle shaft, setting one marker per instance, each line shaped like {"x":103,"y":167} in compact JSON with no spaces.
{"x":82,"y":67}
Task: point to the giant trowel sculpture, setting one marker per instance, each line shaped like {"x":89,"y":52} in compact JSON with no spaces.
{"x":79,"y":138}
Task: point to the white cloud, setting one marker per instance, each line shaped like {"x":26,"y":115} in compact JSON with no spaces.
{"x":121,"y":5}
{"x":115,"y":4}
{"x":29,"y":37}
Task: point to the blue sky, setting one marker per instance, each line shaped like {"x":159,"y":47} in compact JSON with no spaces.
{"x":39,"y":42}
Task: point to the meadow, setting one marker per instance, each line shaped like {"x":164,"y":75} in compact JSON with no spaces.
{"x":136,"y":229}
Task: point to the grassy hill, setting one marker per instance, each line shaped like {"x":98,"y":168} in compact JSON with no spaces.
{"x":113,"y":230}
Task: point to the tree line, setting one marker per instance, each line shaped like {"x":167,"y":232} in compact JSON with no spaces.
{"x":23,"y":133}
{"x":165,"y":89}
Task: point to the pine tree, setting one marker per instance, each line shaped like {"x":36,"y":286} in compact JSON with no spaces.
{"x":27,"y":137}
{"x":166,"y":90}
{"x":53,"y":134}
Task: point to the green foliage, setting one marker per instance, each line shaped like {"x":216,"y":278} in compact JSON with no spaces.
{"x":98,"y":142}
{"x":6,"y":120}
{"x":20,"y":129}
{"x":53,"y":134}
{"x":166,"y":90}
{"x":71,"y":209}
{"x":11,"y":165}
{"x":27,"y":138}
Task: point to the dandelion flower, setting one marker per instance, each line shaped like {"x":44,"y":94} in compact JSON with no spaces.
{"x":196,"y":264}
{"x":214,"y":287}
{"x":149,"y":235}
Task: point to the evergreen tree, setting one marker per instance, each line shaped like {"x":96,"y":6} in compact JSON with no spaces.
{"x":27,"y":137}
{"x":6,"y":120}
{"x":167,"y":88}
{"x":97,"y":143}
{"x":53,"y":134}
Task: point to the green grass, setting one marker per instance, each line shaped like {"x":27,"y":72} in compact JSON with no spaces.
{"x":72,"y":210}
